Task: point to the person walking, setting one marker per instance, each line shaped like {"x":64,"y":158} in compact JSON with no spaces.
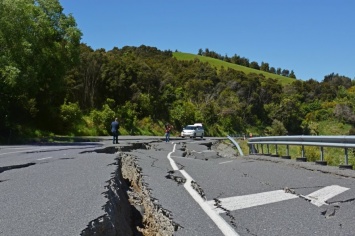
{"x":167,"y":132}
{"x":114,"y":130}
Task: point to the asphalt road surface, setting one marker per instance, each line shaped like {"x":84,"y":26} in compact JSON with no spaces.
{"x":57,"y":189}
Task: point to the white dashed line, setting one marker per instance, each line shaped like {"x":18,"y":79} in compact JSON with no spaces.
{"x":45,"y":158}
{"x":24,"y":150}
{"x":319,"y":197}
{"x":252,"y":200}
{"x":225,"y":162}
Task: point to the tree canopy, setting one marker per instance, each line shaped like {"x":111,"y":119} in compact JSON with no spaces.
{"x":38,"y":44}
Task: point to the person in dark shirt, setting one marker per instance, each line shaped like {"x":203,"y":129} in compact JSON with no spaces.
{"x":167,"y":132}
{"x":114,"y":129}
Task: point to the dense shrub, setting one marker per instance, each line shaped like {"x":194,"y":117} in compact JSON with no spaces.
{"x":102,"y":119}
{"x":70,"y":115}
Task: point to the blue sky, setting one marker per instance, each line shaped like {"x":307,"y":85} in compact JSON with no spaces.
{"x":311,"y":37}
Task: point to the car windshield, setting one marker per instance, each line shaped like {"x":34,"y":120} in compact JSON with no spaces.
{"x":189,"y":127}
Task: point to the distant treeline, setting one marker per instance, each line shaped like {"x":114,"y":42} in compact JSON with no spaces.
{"x":50,"y":82}
{"x":236,"y":59}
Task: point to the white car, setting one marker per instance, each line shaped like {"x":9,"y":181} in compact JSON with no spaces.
{"x":193,"y":131}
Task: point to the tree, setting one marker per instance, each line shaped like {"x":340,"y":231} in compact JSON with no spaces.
{"x":38,"y":45}
{"x":182,"y":113}
{"x":89,"y":76}
{"x":292,"y":75}
{"x":272,"y":70}
{"x":344,"y":113}
{"x":278,"y":71}
{"x":254,"y":65}
{"x":264,"y":66}
{"x":288,"y":111}
{"x":337,"y":80}
{"x":277,"y":128}
{"x":285,"y":72}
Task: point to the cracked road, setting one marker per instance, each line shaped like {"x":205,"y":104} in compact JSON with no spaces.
{"x":274,"y":196}
{"x":57,"y":190}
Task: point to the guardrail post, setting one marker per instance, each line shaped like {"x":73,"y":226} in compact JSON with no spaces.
{"x":287,"y":150}
{"x":302,"y":158}
{"x":346,"y":166}
{"x":262,"y":149}
{"x":346,"y":156}
{"x":321,"y":162}
{"x":287,"y":153}
{"x":268,"y":149}
{"x":276,"y":152}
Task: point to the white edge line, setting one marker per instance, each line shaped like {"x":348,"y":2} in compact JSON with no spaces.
{"x":216,"y":218}
{"x":225,"y":162}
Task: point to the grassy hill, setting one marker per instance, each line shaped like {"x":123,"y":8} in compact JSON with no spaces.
{"x":219,"y":63}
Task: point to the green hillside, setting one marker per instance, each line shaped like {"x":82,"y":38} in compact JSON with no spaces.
{"x":218,"y":64}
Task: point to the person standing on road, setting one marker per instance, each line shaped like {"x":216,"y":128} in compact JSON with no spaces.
{"x":114,"y":129}
{"x":167,"y":132}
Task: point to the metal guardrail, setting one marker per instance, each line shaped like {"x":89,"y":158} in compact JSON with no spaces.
{"x":345,"y":142}
{"x":236,"y":144}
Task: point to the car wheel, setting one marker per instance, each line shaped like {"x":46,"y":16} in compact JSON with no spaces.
{"x":194,"y":135}
{"x":202,"y":135}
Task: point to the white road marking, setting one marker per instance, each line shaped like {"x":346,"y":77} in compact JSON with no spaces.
{"x":225,"y":162}
{"x":182,"y":157}
{"x":29,"y":149}
{"x":172,"y":162}
{"x":217,"y":219}
{"x":32,"y":149}
{"x":25,"y":150}
{"x":44,"y":158}
{"x":11,"y":147}
{"x":319,"y":197}
{"x":252,"y":200}
{"x":196,"y":151}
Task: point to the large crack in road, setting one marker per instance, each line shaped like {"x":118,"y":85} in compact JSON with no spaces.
{"x":130,"y":209}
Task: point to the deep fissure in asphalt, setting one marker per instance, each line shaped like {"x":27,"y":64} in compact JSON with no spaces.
{"x":130,"y":210}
